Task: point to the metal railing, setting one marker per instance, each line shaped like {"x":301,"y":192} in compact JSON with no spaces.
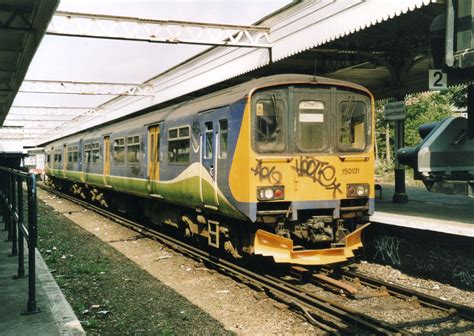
{"x":13,"y":208}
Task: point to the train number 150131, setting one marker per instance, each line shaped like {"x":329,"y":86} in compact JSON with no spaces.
{"x":348,"y":171}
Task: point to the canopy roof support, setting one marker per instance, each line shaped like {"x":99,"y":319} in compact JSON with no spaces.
{"x":158,"y":31}
{"x":85,"y":88}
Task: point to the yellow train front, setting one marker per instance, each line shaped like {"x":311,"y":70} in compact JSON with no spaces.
{"x":303,"y":169}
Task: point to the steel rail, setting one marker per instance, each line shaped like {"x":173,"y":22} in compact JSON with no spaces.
{"x":281,"y":290}
{"x":462,"y":311}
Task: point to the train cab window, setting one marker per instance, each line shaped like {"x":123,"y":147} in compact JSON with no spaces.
{"x":352,"y":121}
{"x":269,"y":125}
{"x":223,"y":136}
{"x":95,"y":152}
{"x":119,"y":150}
{"x":178,"y":145}
{"x":311,"y":125}
{"x":133,"y":149}
{"x":209,"y":141}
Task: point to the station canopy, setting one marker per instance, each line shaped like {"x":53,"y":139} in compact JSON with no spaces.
{"x":383,"y":47}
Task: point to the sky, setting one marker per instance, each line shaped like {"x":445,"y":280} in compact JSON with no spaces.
{"x":100,"y":60}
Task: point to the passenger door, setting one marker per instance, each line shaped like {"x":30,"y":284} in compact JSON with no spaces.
{"x":209,"y":162}
{"x":154,"y":153}
{"x":106,"y":159}
{"x":64,"y":160}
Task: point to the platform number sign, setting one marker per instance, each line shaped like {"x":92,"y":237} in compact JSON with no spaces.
{"x":438,"y":80}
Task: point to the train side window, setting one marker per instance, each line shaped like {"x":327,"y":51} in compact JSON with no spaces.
{"x":69,"y":157}
{"x":179,"y":145}
{"x":57,"y":157}
{"x":133,"y":148}
{"x":352,"y":120}
{"x":119,"y":150}
{"x":209,"y":141}
{"x":95,"y":152}
{"x":72,"y":155}
{"x":223,"y":136}
{"x":87,"y":153}
{"x":75,"y":155}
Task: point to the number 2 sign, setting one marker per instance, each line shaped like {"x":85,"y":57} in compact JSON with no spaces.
{"x":438,"y":80}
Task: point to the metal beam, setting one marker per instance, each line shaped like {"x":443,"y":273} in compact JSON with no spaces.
{"x":16,"y":111}
{"x":158,"y":31}
{"x":20,"y":136}
{"x":18,"y":130}
{"x":85,"y":88}
{"x":38,"y":118}
{"x":36,"y":124}
{"x":5,"y":67}
{"x":16,"y":18}
{"x":13,"y":45}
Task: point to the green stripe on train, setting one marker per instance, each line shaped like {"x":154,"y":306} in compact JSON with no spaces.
{"x":185,"y":192}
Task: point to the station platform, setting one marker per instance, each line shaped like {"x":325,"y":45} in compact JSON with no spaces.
{"x":452,"y":214}
{"x":55,"y":316}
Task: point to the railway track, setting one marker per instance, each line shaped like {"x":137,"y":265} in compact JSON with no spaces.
{"x":327,"y":314}
{"x":425,"y":300}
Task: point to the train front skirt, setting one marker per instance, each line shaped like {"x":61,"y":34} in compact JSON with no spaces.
{"x":281,"y":249}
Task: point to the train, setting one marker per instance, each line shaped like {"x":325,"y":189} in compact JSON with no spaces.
{"x":280,"y":166}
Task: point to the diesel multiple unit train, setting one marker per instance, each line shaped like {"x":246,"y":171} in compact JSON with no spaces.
{"x":281,"y":166}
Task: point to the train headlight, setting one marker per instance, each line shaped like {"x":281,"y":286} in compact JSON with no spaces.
{"x":358,"y":190}
{"x":270,"y":193}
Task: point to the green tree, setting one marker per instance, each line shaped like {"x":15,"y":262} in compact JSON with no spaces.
{"x":458,"y":96}
{"x":422,"y":109}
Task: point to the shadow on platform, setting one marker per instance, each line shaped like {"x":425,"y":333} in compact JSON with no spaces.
{"x":55,"y":317}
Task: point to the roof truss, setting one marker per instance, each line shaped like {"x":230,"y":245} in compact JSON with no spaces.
{"x":85,"y":88}
{"x":158,"y":31}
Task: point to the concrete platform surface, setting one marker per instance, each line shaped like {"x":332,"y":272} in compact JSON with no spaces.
{"x":55,"y":317}
{"x":453,"y":214}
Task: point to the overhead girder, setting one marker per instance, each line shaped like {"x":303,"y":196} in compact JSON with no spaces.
{"x":16,"y":18}
{"x":38,"y":117}
{"x":12,"y":130}
{"x":19,"y":136}
{"x":33,"y":124}
{"x":16,"y":111}
{"x":85,"y":88}
{"x":158,"y":31}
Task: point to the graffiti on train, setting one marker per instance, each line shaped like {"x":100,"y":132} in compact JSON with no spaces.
{"x":319,"y":171}
{"x":269,"y":174}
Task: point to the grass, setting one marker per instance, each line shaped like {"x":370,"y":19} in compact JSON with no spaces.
{"x":110,"y":294}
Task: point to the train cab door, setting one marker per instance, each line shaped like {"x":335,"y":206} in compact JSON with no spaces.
{"x":311,"y":109}
{"x":106,"y":171}
{"x":153,"y":153}
{"x":209,"y":163}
